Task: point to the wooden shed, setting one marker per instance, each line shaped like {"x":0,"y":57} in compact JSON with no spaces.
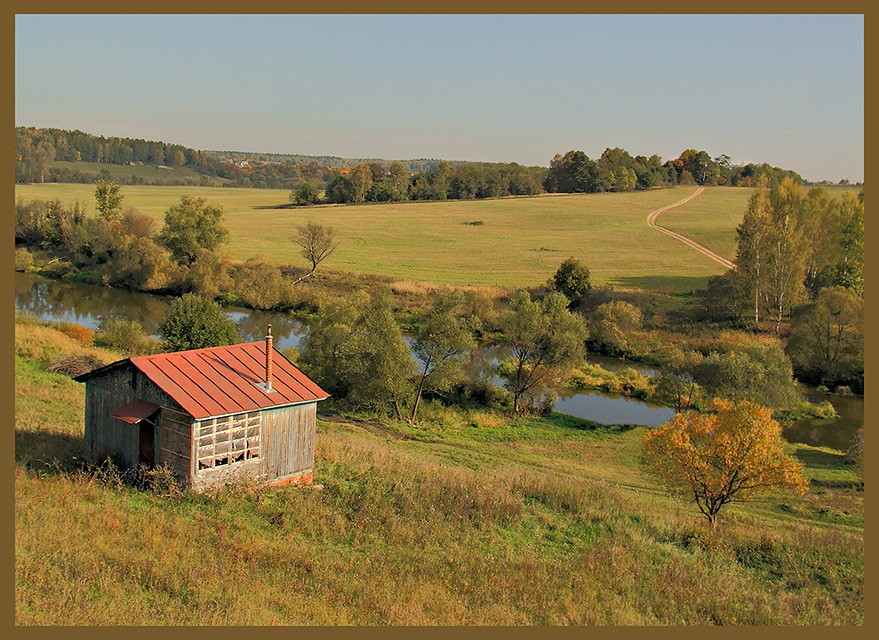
{"x":212,"y":415}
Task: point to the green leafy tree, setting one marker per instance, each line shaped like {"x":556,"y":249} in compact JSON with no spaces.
{"x":820,"y":228}
{"x":572,"y":280}
{"x":677,"y":378}
{"x":260,"y":284}
{"x":358,"y":353}
{"x":359,"y":183}
{"x":191,"y":227}
{"x":725,"y":456}
{"x":545,"y":338}
{"x":383,"y":361}
{"x":305,"y":194}
{"x":754,"y":246}
{"x":109,"y":200}
{"x":195,"y":322}
{"x":760,"y":373}
{"x":787,"y":254}
{"x":398,"y":182}
{"x":326,"y":353}
{"x":850,"y":266}
{"x":442,"y":345}
{"x":612,"y":326}
{"x":826,"y":342}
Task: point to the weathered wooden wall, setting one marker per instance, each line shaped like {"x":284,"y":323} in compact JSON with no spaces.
{"x":105,"y":435}
{"x":288,"y":440}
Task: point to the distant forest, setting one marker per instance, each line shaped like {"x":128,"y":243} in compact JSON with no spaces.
{"x":52,"y":155}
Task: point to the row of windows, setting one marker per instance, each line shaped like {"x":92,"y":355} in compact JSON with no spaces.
{"x":227,"y":440}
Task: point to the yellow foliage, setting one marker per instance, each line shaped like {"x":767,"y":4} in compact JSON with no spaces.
{"x":724,"y":456}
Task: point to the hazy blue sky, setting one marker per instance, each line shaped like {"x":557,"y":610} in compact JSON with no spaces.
{"x":787,"y":90}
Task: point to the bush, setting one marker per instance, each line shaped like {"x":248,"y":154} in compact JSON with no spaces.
{"x":194,"y":322}
{"x":24,"y":261}
{"x":121,"y":334}
{"x":81,"y":334}
{"x":572,"y":280}
{"x":484,"y":392}
{"x":612,"y":325}
{"x":261,"y":285}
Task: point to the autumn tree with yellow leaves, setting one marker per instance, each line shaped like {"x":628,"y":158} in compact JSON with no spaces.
{"x":724,"y":456}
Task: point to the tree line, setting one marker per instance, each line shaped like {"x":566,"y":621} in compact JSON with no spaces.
{"x":312,"y":180}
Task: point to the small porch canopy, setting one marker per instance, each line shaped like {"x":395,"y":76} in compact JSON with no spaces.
{"x":135,"y":411}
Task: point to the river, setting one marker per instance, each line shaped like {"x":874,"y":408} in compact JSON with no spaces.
{"x":88,"y":304}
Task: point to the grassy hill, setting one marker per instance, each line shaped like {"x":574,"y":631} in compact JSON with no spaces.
{"x":473,"y":518}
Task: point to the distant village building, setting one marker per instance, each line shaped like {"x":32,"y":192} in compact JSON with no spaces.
{"x":212,"y":415}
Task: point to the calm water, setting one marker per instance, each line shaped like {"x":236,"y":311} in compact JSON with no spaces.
{"x":88,"y":305}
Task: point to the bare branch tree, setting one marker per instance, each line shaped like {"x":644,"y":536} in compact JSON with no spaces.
{"x":318,"y":243}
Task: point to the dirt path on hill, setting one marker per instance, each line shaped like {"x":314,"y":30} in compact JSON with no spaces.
{"x":651,"y":220}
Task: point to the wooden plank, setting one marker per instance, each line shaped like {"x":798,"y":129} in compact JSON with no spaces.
{"x":170,"y":426}
{"x":170,"y":436}
{"x":174,"y":453}
{"x":182,"y":449}
{"x":185,"y":424}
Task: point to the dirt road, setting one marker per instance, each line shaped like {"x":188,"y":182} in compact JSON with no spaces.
{"x":651,"y":220}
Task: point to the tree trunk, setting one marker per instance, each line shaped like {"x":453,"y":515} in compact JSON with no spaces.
{"x":397,"y":409}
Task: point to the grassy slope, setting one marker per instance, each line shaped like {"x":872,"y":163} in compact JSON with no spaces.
{"x":520,"y":243}
{"x":541,"y":522}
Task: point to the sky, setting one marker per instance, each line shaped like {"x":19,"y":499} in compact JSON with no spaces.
{"x":783,"y":89}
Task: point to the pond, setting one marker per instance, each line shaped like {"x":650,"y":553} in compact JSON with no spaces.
{"x":88,"y":304}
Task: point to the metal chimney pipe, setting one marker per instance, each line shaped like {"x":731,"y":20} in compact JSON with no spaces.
{"x":269,"y":360}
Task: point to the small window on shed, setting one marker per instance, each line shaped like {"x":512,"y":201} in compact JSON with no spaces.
{"x":228,"y":440}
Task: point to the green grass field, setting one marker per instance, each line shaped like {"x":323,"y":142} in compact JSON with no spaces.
{"x":473,"y":518}
{"x":520,"y":241}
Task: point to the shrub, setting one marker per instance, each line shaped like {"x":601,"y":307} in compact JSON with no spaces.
{"x":121,"y":334}
{"x":260,"y":284}
{"x":81,"y":334}
{"x":612,"y":325}
{"x":572,"y":280}
{"x":194,"y":322}
{"x":24,"y":261}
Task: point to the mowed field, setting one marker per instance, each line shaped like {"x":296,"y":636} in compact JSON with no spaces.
{"x":507,"y":242}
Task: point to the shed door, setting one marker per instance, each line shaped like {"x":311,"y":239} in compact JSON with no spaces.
{"x":147,"y":449}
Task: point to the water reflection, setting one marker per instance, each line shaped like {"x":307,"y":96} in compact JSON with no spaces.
{"x":608,"y":409}
{"x":836,"y":434}
{"x":86,"y":304}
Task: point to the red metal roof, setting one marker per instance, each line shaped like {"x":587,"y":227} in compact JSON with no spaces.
{"x":224,"y":380}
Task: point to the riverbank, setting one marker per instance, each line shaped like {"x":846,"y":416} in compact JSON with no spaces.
{"x":615,"y":392}
{"x":545,"y":521}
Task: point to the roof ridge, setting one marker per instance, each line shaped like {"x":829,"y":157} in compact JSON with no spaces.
{"x":199,"y":350}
